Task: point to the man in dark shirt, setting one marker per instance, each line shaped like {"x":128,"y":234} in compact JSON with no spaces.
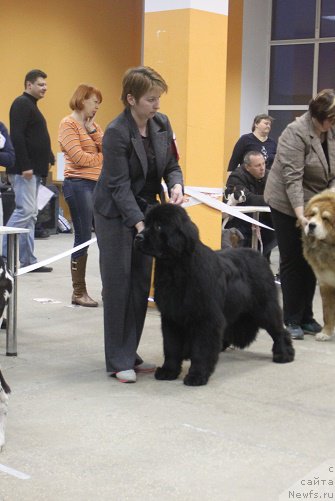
{"x":30,"y":137}
{"x":251,"y":178}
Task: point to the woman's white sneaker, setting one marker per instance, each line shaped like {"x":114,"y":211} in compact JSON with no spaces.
{"x":128,"y":376}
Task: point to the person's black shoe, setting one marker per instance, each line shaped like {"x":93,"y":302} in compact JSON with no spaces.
{"x":312,"y":327}
{"x":42,"y":269}
{"x":42,"y":234}
{"x":295,"y":331}
{"x":4,"y":324}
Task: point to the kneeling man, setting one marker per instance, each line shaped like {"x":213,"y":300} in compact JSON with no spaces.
{"x":251,"y":177}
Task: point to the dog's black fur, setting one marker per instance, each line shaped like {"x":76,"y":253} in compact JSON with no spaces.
{"x":6,"y":286}
{"x":208,"y":299}
{"x":3,"y":384}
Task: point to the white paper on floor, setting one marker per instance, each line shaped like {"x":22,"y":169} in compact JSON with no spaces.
{"x":45,"y":300}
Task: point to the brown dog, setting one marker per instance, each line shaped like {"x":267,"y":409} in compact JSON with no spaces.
{"x":319,"y":251}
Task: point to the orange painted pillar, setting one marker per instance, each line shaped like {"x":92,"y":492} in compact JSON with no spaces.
{"x":186,"y":41}
{"x":234,"y":80}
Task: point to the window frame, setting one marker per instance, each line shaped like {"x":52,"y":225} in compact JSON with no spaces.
{"x":316,"y":41}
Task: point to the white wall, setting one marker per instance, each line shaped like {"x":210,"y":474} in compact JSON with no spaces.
{"x":255,"y":60}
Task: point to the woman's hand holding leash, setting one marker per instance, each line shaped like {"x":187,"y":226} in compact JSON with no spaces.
{"x":177,"y":196}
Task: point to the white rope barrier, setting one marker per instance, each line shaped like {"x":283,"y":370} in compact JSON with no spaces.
{"x":199,"y":193}
{"x":50,"y":260}
{"x":222,"y":207}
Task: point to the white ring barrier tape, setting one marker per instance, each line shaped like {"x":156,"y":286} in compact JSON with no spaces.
{"x":222,"y":207}
{"x":13,"y":472}
{"x":198,"y":196}
{"x":197,"y":192}
{"x":45,"y":262}
{"x":205,"y":189}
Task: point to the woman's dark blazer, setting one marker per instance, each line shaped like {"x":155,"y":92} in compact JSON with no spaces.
{"x":125,"y":166}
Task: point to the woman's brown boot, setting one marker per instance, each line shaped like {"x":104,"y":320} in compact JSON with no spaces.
{"x":80,"y":296}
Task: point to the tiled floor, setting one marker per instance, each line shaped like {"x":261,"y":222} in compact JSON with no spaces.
{"x":250,"y":434}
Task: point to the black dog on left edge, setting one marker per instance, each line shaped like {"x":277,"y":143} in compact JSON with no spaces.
{"x":6,"y":286}
{"x":208,"y":299}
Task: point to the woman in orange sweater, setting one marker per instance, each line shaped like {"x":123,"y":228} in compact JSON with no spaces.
{"x":80,"y":139}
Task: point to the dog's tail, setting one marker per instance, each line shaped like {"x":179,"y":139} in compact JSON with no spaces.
{"x":3,"y":383}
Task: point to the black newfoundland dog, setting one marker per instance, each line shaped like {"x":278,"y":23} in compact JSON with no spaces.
{"x":208,"y":299}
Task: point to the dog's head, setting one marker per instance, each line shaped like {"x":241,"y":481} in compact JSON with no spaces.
{"x":320,"y":213}
{"x":234,"y":197}
{"x":168,"y":233}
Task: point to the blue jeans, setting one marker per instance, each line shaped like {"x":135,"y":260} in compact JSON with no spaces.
{"x":78,"y":194}
{"x":24,"y":215}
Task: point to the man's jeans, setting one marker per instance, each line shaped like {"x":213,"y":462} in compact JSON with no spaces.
{"x":78,"y":194}
{"x":24,"y":216}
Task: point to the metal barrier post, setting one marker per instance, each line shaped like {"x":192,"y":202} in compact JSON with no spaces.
{"x":12,"y":262}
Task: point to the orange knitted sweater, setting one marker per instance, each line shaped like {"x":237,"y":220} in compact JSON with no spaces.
{"x":82,"y":151}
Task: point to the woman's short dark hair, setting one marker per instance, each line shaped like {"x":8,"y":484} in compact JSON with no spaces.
{"x":322,"y":106}
{"x":138,"y":81}
{"x":82,"y":93}
{"x":258,"y":118}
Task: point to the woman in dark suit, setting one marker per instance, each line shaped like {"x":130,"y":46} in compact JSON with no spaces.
{"x":304,"y":165}
{"x":138,"y":151}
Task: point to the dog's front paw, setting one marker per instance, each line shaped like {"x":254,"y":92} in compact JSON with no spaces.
{"x":284,"y":358}
{"x":166,"y":374}
{"x":322,"y":336}
{"x":283,"y":351}
{"x":195,"y":379}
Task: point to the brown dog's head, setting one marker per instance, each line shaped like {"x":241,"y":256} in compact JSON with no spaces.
{"x":320,"y":213}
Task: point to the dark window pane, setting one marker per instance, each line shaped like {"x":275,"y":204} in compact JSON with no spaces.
{"x":281,"y":119}
{"x":293,"y":19}
{"x":326,"y":73}
{"x":291,"y":74}
{"x":327,"y":24}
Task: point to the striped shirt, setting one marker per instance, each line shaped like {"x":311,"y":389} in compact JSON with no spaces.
{"x":82,"y":151}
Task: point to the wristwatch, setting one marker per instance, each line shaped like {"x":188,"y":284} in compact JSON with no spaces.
{"x":92,"y":131}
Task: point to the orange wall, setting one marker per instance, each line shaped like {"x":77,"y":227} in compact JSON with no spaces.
{"x":206,"y":97}
{"x":234,"y":77}
{"x":189,"y":47}
{"x":166,"y":49}
{"x":73,"y":42}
